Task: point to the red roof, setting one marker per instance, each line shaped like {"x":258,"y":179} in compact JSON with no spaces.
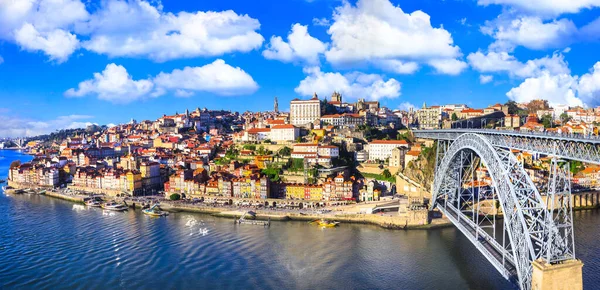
{"x":286,"y":126}
{"x":258,"y":130}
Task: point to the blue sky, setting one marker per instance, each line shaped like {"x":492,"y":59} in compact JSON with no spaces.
{"x":65,"y":63}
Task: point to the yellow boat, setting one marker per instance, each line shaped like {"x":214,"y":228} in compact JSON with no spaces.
{"x":155,"y":211}
{"x":325,"y":224}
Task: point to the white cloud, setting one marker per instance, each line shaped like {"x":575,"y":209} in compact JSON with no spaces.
{"x":589,"y":86}
{"x":58,"y":44}
{"x":138,"y":29}
{"x":352,"y":85}
{"x":484,"y":79}
{"x":397,"y":66}
{"x":529,"y":31}
{"x":502,"y":62}
{"x":321,"y":22}
{"x":376,"y":30}
{"x":125,"y":28}
{"x":557,"y":89}
{"x":301,"y":47}
{"x":218,"y":78}
{"x":11,"y":126}
{"x":448,"y":66}
{"x":406,"y":106}
{"x":114,"y":84}
{"x":546,"y":7}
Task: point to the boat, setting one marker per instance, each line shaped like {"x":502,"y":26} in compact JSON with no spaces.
{"x":42,"y":192}
{"x":325,"y":223}
{"x":111,"y":205}
{"x":2,"y":181}
{"x":93,"y":203}
{"x":155,"y":211}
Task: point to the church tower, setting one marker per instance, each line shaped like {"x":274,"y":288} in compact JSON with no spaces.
{"x":276,"y":106}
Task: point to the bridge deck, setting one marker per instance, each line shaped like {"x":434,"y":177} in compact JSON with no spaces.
{"x":485,"y":243}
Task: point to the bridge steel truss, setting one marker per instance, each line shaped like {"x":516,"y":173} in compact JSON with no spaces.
{"x":532,"y":227}
{"x":571,"y":148}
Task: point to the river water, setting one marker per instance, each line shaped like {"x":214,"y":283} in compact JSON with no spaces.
{"x":47,"y":243}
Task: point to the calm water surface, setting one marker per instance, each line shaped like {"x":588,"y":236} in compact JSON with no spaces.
{"x":47,"y":243}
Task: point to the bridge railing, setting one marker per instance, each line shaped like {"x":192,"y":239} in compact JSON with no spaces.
{"x":570,"y":136}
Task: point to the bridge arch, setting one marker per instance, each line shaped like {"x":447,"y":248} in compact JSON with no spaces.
{"x":528,"y":229}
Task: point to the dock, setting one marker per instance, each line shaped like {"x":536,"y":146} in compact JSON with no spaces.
{"x":243,"y":221}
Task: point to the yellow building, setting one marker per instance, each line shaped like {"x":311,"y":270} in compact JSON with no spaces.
{"x":134,"y":181}
{"x":294,"y":191}
{"x":316,"y":192}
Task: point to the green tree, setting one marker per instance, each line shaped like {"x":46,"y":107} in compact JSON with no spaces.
{"x":547,"y":121}
{"x":299,"y":140}
{"x":386,"y":173}
{"x":454,"y":117}
{"x":512,"y":107}
{"x":564,"y":117}
{"x":175,"y":196}
{"x":250,"y":147}
{"x":285,"y":151}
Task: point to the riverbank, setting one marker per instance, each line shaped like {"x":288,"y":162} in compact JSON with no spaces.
{"x":384,"y":221}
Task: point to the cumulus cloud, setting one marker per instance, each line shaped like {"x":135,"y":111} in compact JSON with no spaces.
{"x":502,"y":62}
{"x":11,"y":126}
{"x":301,"y":47}
{"x":218,"y":78}
{"x":375,"y":31}
{"x":529,"y":31}
{"x":589,"y":86}
{"x":124,"y":28}
{"x":448,"y":66}
{"x":116,"y":85}
{"x":557,"y":89}
{"x":484,"y":79}
{"x":561,"y":88}
{"x":321,"y":22}
{"x":139,"y":29}
{"x":352,"y":85}
{"x":545,"y":7}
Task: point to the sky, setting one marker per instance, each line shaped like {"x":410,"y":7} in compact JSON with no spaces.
{"x":69,"y":63}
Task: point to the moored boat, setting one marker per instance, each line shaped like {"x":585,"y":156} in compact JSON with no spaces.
{"x":155,"y":211}
{"x":92,"y":203}
{"x":111,"y":205}
{"x":325,"y":223}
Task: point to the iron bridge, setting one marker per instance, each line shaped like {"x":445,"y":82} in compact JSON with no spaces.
{"x":477,"y":176}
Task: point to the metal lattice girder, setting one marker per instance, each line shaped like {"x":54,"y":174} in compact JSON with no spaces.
{"x":584,"y":149}
{"x":530,"y":227}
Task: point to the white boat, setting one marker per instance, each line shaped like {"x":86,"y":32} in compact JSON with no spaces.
{"x":93,"y":203}
{"x":111,"y":205}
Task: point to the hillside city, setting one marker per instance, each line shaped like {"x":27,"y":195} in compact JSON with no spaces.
{"x":324,"y":152}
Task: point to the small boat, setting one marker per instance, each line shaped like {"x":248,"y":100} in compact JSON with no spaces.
{"x":111,"y":205}
{"x":325,"y":224}
{"x":155,"y":211}
{"x":42,"y":192}
{"x":2,"y":181}
{"x":93,"y":203}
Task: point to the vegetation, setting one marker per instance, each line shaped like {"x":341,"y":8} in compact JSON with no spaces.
{"x":379,"y":176}
{"x":175,"y":196}
{"x":386,"y":173}
{"x":272,"y":172}
{"x":576,"y":166}
{"x":285,"y":151}
{"x":250,"y":147}
{"x":454,"y":117}
{"x":547,"y":121}
{"x":564,"y":117}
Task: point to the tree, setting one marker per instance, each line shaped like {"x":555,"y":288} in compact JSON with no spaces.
{"x":564,"y":117}
{"x":386,"y":173}
{"x":299,"y":140}
{"x":250,"y":147}
{"x":547,"y":121}
{"x":454,"y":117}
{"x":285,"y":151}
{"x":175,"y":196}
{"x":512,"y":107}
{"x":15,"y":164}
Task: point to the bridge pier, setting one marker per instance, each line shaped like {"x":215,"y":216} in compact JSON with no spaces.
{"x":565,"y":275}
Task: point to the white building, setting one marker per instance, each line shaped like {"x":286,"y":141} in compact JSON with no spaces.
{"x":311,"y":150}
{"x":256,"y":135}
{"x":303,"y":112}
{"x":284,"y":133}
{"x":382,"y":149}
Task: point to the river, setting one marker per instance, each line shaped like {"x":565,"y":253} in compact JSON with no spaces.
{"x":47,"y":243}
